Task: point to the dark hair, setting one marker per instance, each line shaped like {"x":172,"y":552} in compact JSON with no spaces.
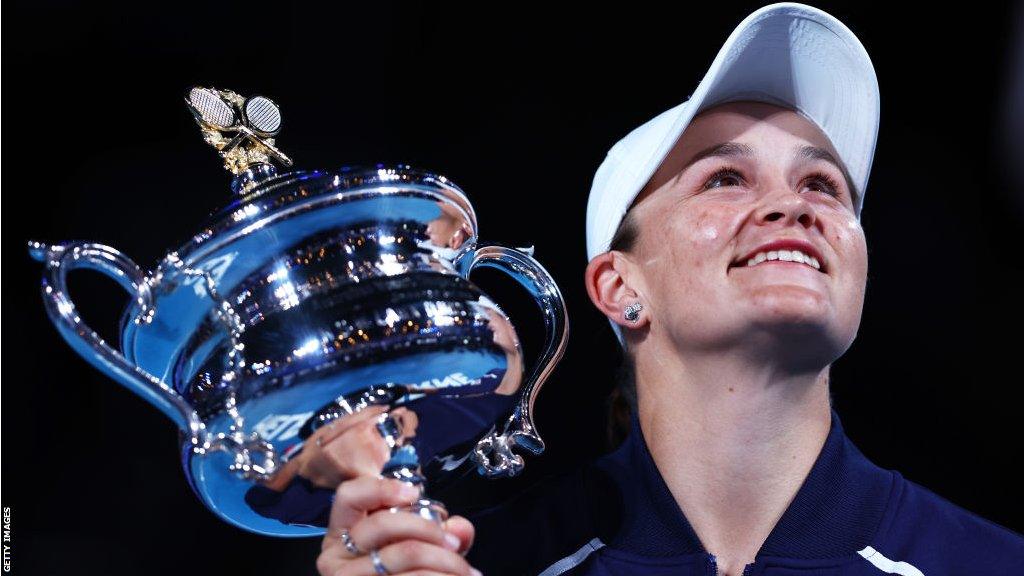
{"x":622,"y":400}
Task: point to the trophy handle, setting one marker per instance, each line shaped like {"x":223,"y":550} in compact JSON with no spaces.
{"x":493,"y":454}
{"x":60,"y":259}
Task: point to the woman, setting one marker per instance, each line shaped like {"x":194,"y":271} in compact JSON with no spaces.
{"x":725,"y":247}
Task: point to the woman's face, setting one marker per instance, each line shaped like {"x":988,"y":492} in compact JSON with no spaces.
{"x":701,"y":216}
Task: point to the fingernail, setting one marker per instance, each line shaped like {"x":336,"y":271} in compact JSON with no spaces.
{"x":451,"y":541}
{"x":476,"y":572}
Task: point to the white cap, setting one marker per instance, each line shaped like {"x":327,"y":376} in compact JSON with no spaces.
{"x":788,"y":54}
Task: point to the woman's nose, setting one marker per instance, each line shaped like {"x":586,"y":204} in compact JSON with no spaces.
{"x":787,"y":207}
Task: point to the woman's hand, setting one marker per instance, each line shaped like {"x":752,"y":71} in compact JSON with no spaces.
{"x":406,"y":543}
{"x":346,"y":448}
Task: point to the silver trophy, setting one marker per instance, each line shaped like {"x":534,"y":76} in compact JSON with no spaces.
{"x":308,"y":298}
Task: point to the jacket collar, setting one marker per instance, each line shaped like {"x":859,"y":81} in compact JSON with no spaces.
{"x":835,"y":512}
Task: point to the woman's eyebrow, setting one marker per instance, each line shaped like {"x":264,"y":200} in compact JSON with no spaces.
{"x":815,"y":153}
{"x":737,"y":149}
{"x":723,"y":150}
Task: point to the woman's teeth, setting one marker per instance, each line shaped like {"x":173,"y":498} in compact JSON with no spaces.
{"x":785,"y":256}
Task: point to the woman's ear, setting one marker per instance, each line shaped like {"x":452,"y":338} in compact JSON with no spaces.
{"x":609,"y":289}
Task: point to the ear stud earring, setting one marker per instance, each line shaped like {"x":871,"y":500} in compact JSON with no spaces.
{"x":632,"y":312}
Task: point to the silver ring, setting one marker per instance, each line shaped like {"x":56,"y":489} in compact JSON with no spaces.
{"x":378,"y":566}
{"x":349,"y":544}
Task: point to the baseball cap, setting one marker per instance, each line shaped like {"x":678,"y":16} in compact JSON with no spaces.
{"x":787,"y":54}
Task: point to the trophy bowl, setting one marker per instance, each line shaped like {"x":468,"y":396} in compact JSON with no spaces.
{"x":311,"y":296}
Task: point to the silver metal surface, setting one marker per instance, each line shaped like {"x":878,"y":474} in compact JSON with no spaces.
{"x":378,"y":566}
{"x":346,"y":539}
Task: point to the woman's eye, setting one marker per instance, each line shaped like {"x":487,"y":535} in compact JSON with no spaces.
{"x":729,"y":176}
{"x":825,"y":183}
{"x":724,"y":175}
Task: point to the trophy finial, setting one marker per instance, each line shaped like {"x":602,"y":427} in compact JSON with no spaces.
{"x":241,"y":130}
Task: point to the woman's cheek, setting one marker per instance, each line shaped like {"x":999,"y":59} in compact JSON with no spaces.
{"x":707,"y":228}
{"x":704,"y":238}
{"x":851,"y":248}
{"x":855,"y":249}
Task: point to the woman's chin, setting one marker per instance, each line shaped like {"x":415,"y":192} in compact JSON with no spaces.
{"x":788,"y":301}
{"x":796,"y":311}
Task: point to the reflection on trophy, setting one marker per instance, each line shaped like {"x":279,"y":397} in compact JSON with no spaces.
{"x":313,"y":298}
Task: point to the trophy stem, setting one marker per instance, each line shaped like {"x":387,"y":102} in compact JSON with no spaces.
{"x":251,"y":177}
{"x":404,"y":465}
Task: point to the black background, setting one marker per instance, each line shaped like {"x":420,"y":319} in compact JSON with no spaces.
{"x":518,"y":105}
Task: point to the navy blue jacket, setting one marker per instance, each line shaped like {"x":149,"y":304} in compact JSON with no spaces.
{"x":850,"y":517}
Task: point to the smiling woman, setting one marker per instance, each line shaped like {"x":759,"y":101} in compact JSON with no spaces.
{"x":725,"y":247}
{"x":697,"y":226}
{"x":731,"y":174}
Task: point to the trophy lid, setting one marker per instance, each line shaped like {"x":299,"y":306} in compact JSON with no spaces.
{"x":242,"y":129}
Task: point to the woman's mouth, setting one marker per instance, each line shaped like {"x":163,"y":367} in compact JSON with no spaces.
{"x":784,"y":250}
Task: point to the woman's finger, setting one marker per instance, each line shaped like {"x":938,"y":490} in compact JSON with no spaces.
{"x":355,"y":497}
{"x":384,"y":527}
{"x":423,"y":573}
{"x":410,"y":555}
{"x":359,"y":451}
{"x":464,"y":530}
